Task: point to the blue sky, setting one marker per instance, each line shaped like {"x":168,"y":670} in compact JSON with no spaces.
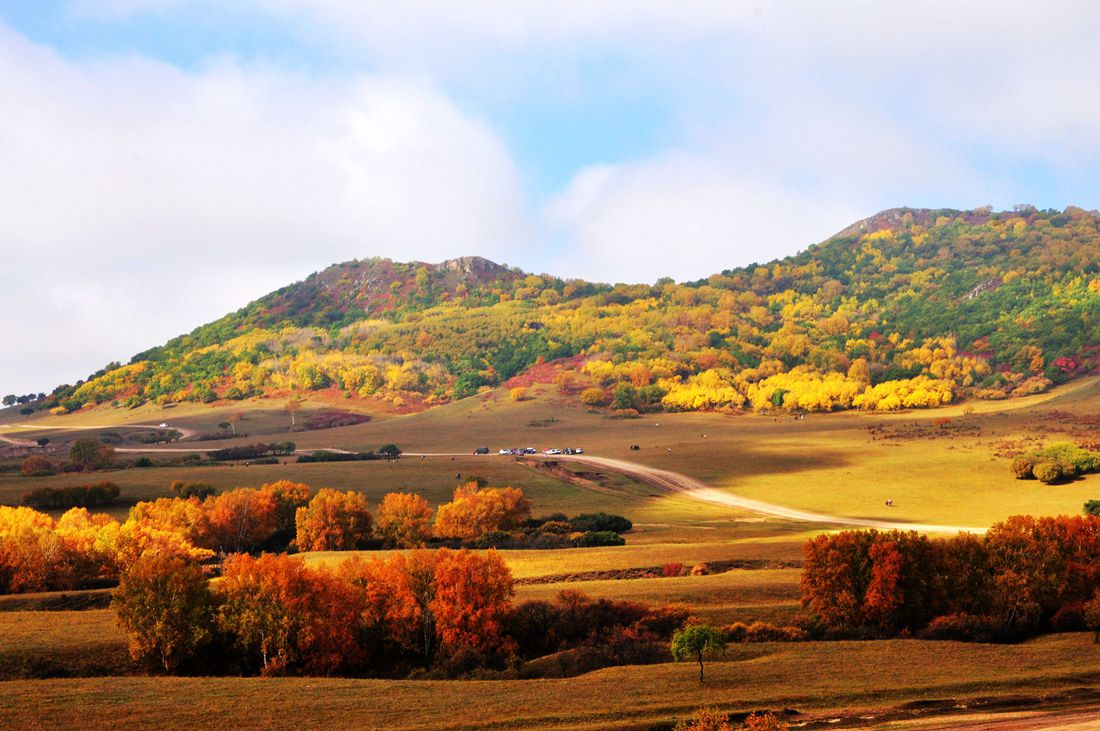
{"x":165,"y":161}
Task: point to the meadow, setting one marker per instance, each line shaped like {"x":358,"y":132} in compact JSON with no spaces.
{"x":819,"y":680}
{"x":842,"y":464}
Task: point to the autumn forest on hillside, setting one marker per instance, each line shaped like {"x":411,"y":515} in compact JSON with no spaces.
{"x":909,"y":308}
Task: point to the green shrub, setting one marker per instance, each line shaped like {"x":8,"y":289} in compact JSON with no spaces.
{"x":200,"y":490}
{"x":600,"y":538}
{"x":82,"y":496}
{"x":1092,"y":507}
{"x":1048,"y":472}
{"x":586,"y":522}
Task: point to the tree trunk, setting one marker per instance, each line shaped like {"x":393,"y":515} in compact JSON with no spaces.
{"x":700,"y":667}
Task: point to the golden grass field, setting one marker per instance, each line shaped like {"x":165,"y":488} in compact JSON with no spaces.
{"x":814,"y":678}
{"x":841,"y":464}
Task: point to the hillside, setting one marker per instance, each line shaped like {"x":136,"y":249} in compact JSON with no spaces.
{"x":907,"y":308}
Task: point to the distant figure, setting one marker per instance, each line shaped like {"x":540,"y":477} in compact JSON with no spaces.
{"x":889,"y":502}
{"x":670,"y":449}
{"x":458,"y":475}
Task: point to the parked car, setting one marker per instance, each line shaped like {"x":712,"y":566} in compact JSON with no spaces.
{"x":574,"y":450}
{"x":530,"y":450}
{"x":481,"y":450}
{"x":551,"y":451}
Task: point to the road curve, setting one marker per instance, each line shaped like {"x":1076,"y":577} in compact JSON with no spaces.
{"x":689,"y":487}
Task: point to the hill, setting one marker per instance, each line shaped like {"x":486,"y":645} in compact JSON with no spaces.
{"x":907,"y":308}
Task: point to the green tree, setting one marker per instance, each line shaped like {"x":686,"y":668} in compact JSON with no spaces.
{"x":695,"y":640}
{"x":1092,"y":507}
{"x":625,"y":396}
{"x":90,"y":454}
{"x":164,"y":604}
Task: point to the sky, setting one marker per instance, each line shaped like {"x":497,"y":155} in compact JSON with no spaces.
{"x":163,"y":162}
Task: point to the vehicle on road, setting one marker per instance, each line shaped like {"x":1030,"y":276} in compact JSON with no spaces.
{"x":574,"y":450}
{"x":551,"y":451}
{"x":481,"y":450}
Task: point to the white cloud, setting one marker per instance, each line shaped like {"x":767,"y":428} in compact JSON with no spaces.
{"x":680,"y":216}
{"x":140,"y":201}
{"x":138,"y":188}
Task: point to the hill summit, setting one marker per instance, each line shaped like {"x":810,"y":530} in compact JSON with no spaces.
{"x":904,"y":309}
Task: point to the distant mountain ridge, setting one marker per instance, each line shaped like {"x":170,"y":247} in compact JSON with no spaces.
{"x":906,"y":308}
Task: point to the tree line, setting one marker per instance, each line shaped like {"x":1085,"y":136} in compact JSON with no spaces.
{"x":1024,"y":576}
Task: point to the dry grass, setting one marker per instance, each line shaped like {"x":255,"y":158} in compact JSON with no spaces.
{"x":62,"y":644}
{"x":433,"y":478}
{"x":527,"y":564}
{"x":769,"y":595}
{"x":812,"y":677}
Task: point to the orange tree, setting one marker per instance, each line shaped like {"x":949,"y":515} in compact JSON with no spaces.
{"x":287,"y":618}
{"x":333,"y":521}
{"x":475,"y":510}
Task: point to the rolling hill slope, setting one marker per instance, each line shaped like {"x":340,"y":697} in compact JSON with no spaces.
{"x":907,"y":308}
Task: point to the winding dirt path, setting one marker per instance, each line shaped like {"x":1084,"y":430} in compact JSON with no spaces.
{"x":689,"y":487}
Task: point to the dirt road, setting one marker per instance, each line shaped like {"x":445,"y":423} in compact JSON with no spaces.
{"x":689,"y":487}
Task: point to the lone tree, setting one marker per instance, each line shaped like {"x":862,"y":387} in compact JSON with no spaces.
{"x":292,"y":407}
{"x":42,"y":441}
{"x":695,"y":640}
{"x":232,"y":419}
{"x":91,"y":454}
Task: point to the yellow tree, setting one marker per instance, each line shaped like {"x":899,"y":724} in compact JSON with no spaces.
{"x":404,"y":520}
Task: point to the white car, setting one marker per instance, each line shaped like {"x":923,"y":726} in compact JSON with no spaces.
{"x":551,"y":451}
{"x":162,"y":425}
{"x":505,"y":451}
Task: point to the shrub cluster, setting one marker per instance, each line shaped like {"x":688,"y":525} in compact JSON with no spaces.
{"x":197,"y":490}
{"x":251,"y":451}
{"x":332,"y":419}
{"x":36,"y":466}
{"x":1057,"y":463}
{"x":79,"y":496}
{"x":595,"y":632}
{"x":1010,"y":583}
{"x":763,"y":632}
{"x":324,"y":456}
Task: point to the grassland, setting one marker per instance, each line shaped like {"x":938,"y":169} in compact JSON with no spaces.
{"x":63,"y":643}
{"x":844,"y":464}
{"x":814,"y":678}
